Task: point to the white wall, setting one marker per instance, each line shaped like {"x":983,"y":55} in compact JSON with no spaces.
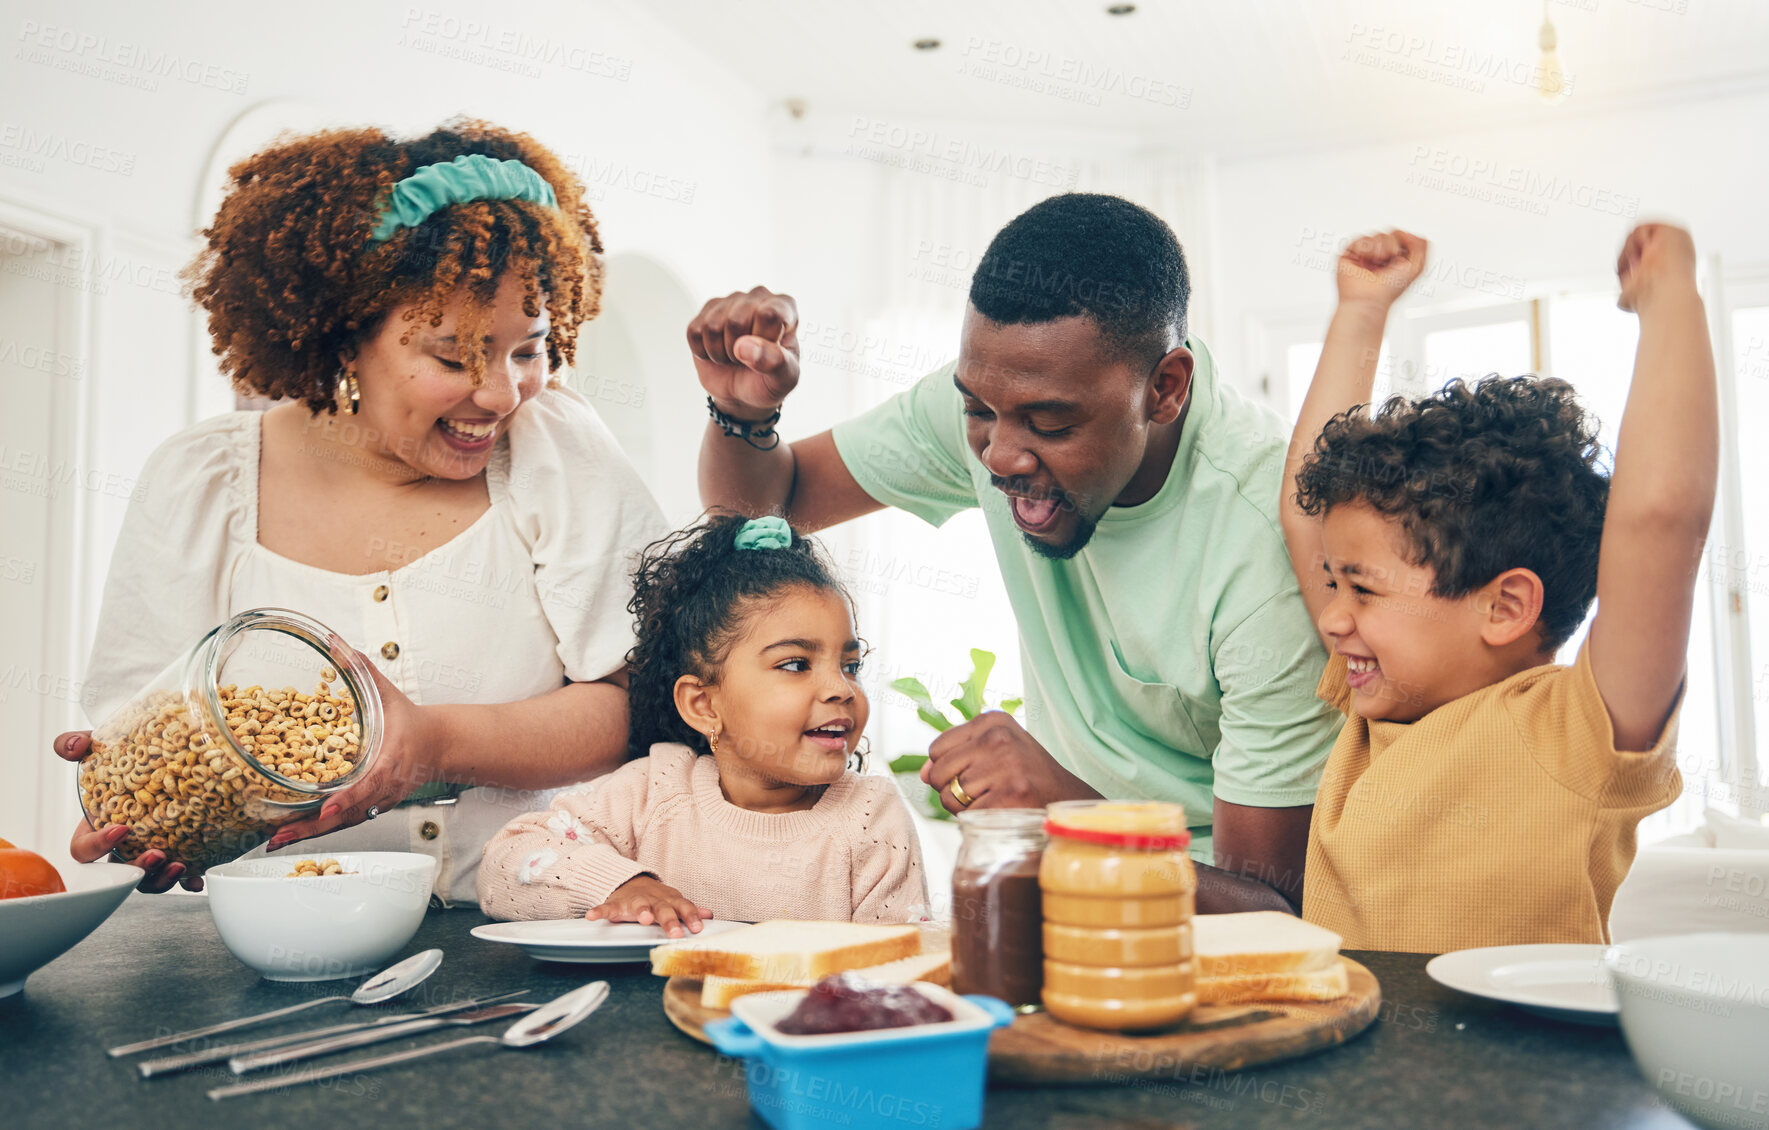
{"x":669,"y":141}
{"x":113,"y":109}
{"x":1573,"y":177}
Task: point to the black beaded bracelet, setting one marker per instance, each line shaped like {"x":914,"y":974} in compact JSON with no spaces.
{"x":749,"y":431}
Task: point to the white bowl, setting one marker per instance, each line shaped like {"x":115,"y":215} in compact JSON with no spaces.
{"x":1695,"y":1013}
{"x":37,"y":929}
{"x":320,"y":929}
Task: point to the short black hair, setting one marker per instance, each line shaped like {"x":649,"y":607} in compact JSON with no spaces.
{"x":694,"y":593}
{"x":1093,"y":255}
{"x":1501,"y":475}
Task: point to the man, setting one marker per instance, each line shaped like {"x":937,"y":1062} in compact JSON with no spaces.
{"x":1133,"y":503}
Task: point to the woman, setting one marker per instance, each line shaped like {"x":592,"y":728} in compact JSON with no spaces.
{"x":424,"y":488}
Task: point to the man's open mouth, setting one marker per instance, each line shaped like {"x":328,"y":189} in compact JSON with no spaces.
{"x":1034,"y":511}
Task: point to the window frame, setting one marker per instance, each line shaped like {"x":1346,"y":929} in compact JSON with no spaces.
{"x":1727,"y":292}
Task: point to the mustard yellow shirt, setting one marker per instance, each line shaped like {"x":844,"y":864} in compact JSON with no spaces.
{"x":1504,"y":817}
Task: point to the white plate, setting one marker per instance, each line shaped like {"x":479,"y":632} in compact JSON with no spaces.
{"x":583,"y":942}
{"x":1561,"y":982}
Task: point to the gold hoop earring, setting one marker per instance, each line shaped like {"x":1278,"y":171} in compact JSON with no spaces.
{"x":712,"y":742}
{"x":347,"y":395}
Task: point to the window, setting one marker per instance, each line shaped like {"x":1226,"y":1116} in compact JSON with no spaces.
{"x":1301,"y":360}
{"x":1469,"y":353}
{"x":1743,"y":569}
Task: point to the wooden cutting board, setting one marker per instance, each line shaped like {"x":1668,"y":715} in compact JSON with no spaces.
{"x":1038,"y":1050}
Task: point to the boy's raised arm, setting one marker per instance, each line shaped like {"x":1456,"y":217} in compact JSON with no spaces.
{"x":1661,"y":494}
{"x":1373,"y":271}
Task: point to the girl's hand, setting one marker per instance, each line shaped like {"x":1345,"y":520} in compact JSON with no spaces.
{"x":649,"y":902}
{"x":401,"y":766}
{"x":88,"y":845}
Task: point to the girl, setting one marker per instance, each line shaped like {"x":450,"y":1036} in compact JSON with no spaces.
{"x":746,"y":708}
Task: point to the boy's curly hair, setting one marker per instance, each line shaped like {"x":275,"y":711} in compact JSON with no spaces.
{"x":694,"y":593}
{"x":291,"y":279}
{"x":1481,"y":479}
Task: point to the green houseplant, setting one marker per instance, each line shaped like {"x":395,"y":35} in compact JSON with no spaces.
{"x":969,"y":704}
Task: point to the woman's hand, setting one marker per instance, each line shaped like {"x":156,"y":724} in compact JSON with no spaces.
{"x":400,"y":767}
{"x":649,"y":902}
{"x":88,"y":845}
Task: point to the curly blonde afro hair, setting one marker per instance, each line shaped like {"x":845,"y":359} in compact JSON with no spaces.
{"x":291,"y":280}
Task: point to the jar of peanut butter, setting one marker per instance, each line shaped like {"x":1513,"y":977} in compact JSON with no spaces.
{"x":1118,"y":890}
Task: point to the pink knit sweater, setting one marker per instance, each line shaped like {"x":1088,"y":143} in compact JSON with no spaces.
{"x":851,"y":857}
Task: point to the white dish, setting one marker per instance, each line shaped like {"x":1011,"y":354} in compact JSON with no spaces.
{"x":582,"y":942}
{"x":320,"y":929}
{"x":1695,"y":1014}
{"x":1561,"y":982}
{"x":40,"y":928}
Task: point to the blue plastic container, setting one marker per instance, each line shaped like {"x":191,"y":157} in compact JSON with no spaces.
{"x":929,"y":1075}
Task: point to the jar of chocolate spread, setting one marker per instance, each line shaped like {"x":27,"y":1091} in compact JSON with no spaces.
{"x":997,"y":910}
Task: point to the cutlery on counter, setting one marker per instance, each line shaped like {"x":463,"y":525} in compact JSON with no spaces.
{"x":396,"y":979}
{"x":153,"y":1068}
{"x":537,"y":1027}
{"x":256,"y":1061}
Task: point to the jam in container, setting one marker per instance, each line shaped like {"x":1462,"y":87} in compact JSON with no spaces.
{"x":997,"y":919}
{"x":253,"y":726}
{"x":1118,"y":892}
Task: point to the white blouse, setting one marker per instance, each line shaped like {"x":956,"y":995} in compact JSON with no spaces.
{"x":532,"y":594}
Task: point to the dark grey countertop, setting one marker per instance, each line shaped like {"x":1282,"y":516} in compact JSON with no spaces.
{"x":1433,"y":1057}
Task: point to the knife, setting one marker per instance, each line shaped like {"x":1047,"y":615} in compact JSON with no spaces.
{"x":172,"y":1064}
{"x":240,"y":1065}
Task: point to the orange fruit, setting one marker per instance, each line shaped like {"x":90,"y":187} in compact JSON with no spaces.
{"x":24,"y":873}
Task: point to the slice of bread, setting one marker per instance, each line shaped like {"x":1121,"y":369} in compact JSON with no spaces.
{"x":1307,"y":985}
{"x":786,"y":951}
{"x":1261,"y":941}
{"x":719,"y":992}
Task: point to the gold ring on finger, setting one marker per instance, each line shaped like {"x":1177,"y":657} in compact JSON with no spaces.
{"x":964,"y":799}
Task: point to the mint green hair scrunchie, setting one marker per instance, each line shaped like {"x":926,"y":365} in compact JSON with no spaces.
{"x":764,"y":533}
{"x":469,"y":177}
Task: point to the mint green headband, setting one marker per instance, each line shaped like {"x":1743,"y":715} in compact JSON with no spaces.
{"x":764,"y":533}
{"x":469,"y":177}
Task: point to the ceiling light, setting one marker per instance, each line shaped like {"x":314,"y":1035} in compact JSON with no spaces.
{"x":1551,"y":80}
{"x":1120,"y":9}
{"x":927,"y":44}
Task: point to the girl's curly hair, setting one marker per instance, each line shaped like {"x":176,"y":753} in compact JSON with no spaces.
{"x":1500,"y":475}
{"x":694,"y":593}
{"x":291,"y":279}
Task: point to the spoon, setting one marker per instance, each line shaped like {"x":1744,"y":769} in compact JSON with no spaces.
{"x":218,"y":1053}
{"x":537,"y":1027}
{"x":396,"y":979}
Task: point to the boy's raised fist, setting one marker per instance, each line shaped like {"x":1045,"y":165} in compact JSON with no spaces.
{"x":1654,"y":258}
{"x":1378,"y":268}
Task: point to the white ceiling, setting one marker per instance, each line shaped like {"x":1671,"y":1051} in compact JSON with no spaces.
{"x":1228,"y":76}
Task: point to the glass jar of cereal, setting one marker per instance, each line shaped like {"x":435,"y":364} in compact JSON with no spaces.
{"x":253,"y":726}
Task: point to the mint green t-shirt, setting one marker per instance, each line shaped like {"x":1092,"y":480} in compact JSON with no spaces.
{"x":1173,"y":657}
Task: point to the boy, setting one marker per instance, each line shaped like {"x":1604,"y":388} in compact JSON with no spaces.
{"x":1480,"y":794}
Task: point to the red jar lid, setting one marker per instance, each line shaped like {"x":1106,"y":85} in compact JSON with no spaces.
{"x":1119,"y":839}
